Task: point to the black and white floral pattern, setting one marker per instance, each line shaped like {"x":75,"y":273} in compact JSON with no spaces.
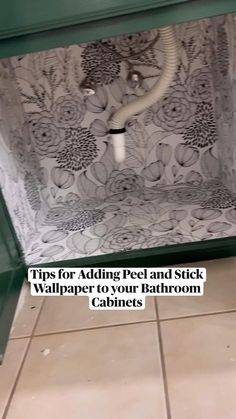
{"x":133,"y":43}
{"x":124,"y":183}
{"x":68,"y":197}
{"x":68,"y":111}
{"x":167,"y":239}
{"x":188,"y":195}
{"x":175,"y":112}
{"x":57,"y":215}
{"x":202,"y":132}
{"x":199,"y":86}
{"x":221,"y":198}
{"x":63,"y":179}
{"x":101,"y":62}
{"x":44,"y":133}
{"x":32,"y":193}
{"x":79,"y":151}
{"x":223,"y":66}
{"x":222,"y":50}
{"x":125,"y":238}
{"x":82,"y":220}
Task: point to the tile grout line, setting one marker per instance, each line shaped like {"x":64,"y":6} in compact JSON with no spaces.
{"x":84,"y":329}
{"x":162,"y":356}
{"x":5,"y":413}
{"x":60,"y":332}
{"x":189,"y":316}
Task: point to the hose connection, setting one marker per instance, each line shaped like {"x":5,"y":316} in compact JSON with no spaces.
{"x":119,"y":118}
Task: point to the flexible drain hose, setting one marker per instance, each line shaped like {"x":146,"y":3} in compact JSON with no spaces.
{"x":117,"y":123}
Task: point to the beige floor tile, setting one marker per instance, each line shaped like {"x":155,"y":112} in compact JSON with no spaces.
{"x":200,"y":356}
{"x":220,"y":292}
{"x":9,"y":369}
{"x":72,"y":313}
{"x":26,"y":313}
{"x":99,"y":374}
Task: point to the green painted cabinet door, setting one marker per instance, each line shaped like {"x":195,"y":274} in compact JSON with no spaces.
{"x":32,"y":25}
{"x":12,"y":273}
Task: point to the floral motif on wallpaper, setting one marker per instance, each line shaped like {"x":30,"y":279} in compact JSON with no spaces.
{"x":223,"y":66}
{"x":166,"y":192}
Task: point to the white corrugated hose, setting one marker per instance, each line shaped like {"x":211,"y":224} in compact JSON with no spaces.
{"x":118,"y":120}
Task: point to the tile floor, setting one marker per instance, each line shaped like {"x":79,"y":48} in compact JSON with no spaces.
{"x":175,"y":360}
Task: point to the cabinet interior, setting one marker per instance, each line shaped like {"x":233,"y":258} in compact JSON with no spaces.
{"x":66,"y":195}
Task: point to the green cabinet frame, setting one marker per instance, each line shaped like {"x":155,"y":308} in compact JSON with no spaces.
{"x":12,"y":274}
{"x":30,"y":25}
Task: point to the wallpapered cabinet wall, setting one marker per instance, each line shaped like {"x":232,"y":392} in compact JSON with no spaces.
{"x":63,"y":197}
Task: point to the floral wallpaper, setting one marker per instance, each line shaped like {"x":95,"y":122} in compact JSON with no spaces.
{"x":171,"y":188}
{"x":223,"y":47}
{"x":19,"y":168}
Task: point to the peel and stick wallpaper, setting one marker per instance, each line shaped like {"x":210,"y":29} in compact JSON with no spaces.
{"x":67,"y":196}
